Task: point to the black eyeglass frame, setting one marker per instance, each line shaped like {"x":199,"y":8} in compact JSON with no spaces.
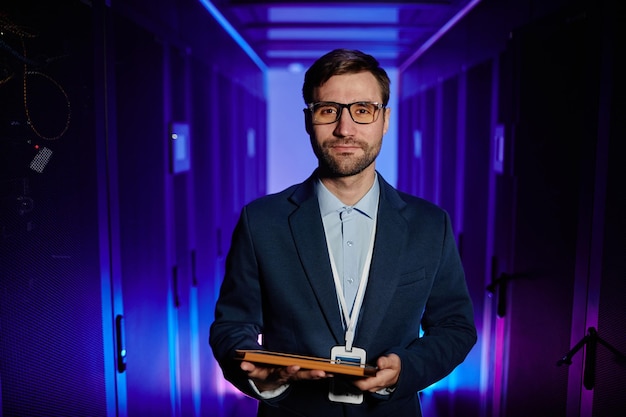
{"x":340,"y":107}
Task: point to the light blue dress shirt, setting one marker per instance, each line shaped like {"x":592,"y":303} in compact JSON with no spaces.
{"x":348,"y":231}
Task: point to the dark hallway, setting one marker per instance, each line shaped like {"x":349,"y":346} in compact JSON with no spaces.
{"x":132,"y":133}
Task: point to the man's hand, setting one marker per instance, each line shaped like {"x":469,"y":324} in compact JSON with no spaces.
{"x":270,"y":378}
{"x":386,"y":377}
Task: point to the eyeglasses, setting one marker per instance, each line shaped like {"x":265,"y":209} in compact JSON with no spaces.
{"x":327,"y":112}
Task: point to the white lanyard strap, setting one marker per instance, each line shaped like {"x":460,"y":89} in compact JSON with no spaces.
{"x":351,"y":319}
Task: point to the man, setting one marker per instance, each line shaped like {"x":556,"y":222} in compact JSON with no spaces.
{"x":343,"y":266}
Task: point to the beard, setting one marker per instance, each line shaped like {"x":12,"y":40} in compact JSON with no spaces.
{"x":345,"y":164}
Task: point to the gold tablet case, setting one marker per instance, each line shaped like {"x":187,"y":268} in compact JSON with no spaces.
{"x":306,"y":362}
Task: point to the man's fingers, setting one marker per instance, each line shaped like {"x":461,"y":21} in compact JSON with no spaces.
{"x":383,"y":362}
{"x":281,"y":374}
{"x":247,"y":366}
{"x":297,"y":374}
{"x":391,"y":361}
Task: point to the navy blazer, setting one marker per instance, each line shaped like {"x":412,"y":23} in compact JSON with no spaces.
{"x":278,"y":283}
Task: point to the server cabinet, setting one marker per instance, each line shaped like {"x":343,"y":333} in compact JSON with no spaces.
{"x":109,"y":256}
{"x":562,"y":107}
{"x":55,"y":323}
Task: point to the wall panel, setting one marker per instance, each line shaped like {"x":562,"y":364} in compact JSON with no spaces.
{"x":52,"y":345}
{"x":146,"y":265}
{"x":448,"y":145}
{"x":112,"y":230}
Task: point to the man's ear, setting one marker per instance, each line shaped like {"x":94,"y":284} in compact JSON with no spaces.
{"x":308,"y":124}
{"x":386,"y":116}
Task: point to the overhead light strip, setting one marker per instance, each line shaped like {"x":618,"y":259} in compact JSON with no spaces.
{"x":332,"y":14}
{"x":234,"y":34}
{"x":347,"y":34}
{"x":439,"y":34}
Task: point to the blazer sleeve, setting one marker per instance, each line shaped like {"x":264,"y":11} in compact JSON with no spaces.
{"x":238,"y":315}
{"x":448,"y":326}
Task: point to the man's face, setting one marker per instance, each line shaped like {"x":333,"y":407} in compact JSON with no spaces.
{"x":346,"y":148}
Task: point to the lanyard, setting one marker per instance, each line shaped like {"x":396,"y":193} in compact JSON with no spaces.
{"x":351,"y":319}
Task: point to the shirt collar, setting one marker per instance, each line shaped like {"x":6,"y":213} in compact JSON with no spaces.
{"x":367,"y":205}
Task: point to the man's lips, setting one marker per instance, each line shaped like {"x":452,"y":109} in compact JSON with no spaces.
{"x":345,"y":147}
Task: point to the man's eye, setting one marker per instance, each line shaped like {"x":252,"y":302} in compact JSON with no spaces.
{"x":363,"y":109}
{"x":327,"y":110}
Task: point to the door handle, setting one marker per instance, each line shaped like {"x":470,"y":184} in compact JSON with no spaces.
{"x":120,"y":336}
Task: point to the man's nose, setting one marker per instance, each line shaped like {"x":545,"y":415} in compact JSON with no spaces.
{"x":345,"y":124}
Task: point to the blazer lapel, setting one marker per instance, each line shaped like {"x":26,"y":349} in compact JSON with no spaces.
{"x":391,"y":232}
{"x":310,"y":241}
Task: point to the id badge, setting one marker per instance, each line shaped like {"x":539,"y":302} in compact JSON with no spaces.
{"x":341,"y":389}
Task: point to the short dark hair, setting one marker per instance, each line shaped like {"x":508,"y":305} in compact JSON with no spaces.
{"x":339,"y":62}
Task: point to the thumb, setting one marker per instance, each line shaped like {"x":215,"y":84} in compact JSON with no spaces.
{"x":383,"y":362}
{"x":246,"y":366}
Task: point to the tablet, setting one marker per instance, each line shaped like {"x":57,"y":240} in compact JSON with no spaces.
{"x":306,"y":362}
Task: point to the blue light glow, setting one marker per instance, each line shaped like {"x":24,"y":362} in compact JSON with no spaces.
{"x":174,"y":353}
{"x":298,"y":54}
{"x":296,"y":67}
{"x":233,"y":33}
{"x":439,"y":34}
{"x":333,"y":14}
{"x":194,"y":325}
{"x":349,"y":34}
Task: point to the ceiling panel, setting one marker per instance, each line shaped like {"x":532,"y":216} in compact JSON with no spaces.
{"x":283,"y":33}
